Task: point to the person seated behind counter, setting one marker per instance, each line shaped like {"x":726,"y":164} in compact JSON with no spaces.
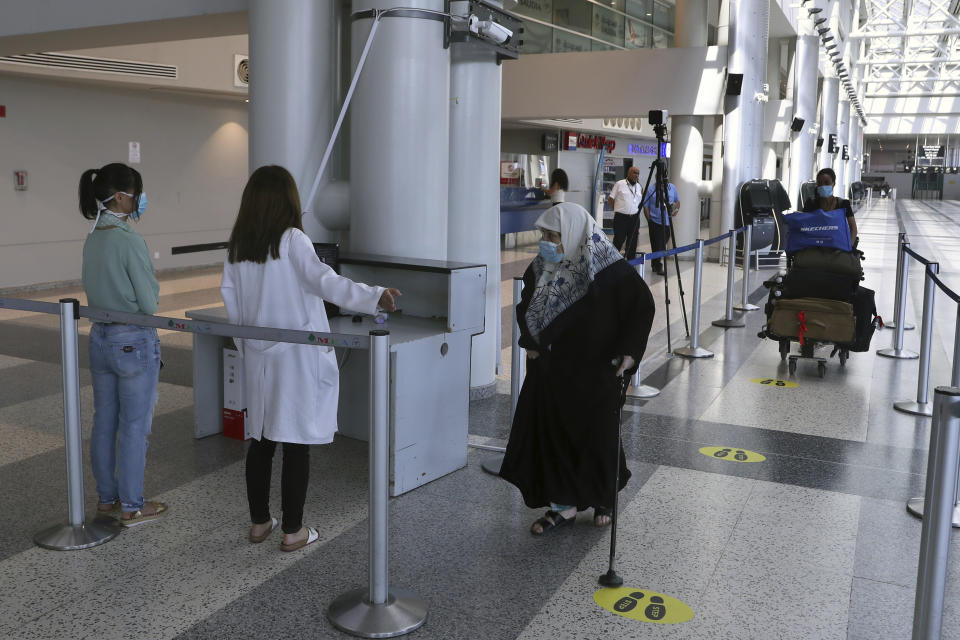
{"x":559,"y":184}
{"x":828,"y":201}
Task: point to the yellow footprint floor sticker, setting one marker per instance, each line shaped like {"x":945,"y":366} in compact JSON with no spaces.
{"x":732,"y":454}
{"x":773,"y":382}
{"x":643,"y":605}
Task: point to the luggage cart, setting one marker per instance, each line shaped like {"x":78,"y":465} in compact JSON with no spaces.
{"x":808,"y":351}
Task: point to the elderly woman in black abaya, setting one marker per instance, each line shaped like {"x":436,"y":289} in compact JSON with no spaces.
{"x":584,"y":317}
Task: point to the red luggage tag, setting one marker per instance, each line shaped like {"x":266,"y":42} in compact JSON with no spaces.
{"x":802,"y":317}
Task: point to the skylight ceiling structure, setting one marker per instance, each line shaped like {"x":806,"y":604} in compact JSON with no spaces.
{"x":909,"y":48}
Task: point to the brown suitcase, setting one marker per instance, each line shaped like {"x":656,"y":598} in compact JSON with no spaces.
{"x":825,"y":320}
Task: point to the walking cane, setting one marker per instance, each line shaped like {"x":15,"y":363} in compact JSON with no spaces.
{"x":610,"y":578}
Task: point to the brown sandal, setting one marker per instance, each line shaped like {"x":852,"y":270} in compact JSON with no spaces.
{"x":139,"y":517}
{"x":263,"y":536}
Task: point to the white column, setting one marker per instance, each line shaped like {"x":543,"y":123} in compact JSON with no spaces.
{"x":399,"y":129}
{"x":473,"y":234}
{"x":770,"y":149}
{"x":291,"y":76}
{"x":686,"y":173}
{"x":743,"y":114}
{"x":686,"y":132}
{"x":841,"y":166}
{"x":828,"y":113}
{"x":803,"y":143}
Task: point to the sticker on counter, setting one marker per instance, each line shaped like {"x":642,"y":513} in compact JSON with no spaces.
{"x":732,"y":454}
{"x":773,"y":382}
{"x":643,"y":605}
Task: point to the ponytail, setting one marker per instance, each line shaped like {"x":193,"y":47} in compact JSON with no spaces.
{"x":88,"y":200}
{"x":100,"y":184}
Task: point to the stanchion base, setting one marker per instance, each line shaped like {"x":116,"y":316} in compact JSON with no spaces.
{"x":689,"y":352}
{"x":915,"y":507}
{"x":610,"y":580}
{"x":893,"y":325}
{"x":746,"y":307}
{"x":914,"y":408}
{"x":643,"y":391}
{"x":492,"y":465}
{"x":729,"y":323}
{"x":900,"y":354}
{"x":66,"y":537}
{"x":402,"y":613}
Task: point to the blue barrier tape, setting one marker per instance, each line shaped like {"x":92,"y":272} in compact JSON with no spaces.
{"x":711,"y":241}
{"x":656,"y":255}
{"x":947,"y":290}
{"x":917,"y":256}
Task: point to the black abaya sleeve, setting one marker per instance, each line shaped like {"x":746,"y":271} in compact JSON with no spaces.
{"x":529,"y":283}
{"x":635,"y":309}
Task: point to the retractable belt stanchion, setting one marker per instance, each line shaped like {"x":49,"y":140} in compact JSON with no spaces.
{"x":77,"y":533}
{"x":896,"y":349}
{"x":916,"y":505}
{"x":942,"y":476}
{"x":377,"y":611}
{"x":637,"y":389}
{"x":728,"y":320}
{"x":747,"y":242}
{"x":922,"y":407}
{"x":901,"y":280}
{"x":517,"y":372}
{"x":695,"y":350}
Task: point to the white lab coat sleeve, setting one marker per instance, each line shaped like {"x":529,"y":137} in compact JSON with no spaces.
{"x":321,"y":280}
{"x":231,"y":301}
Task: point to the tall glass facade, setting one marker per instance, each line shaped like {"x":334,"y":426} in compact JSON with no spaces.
{"x":557,"y":26}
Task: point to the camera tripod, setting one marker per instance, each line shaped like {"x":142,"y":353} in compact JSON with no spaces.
{"x":658,"y":173}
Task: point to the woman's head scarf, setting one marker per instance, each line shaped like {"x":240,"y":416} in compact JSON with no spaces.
{"x":586,"y":252}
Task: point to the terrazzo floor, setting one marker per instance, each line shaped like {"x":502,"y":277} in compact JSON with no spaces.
{"x":813,"y":542}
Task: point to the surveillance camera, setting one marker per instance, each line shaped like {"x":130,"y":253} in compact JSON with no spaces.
{"x":490,"y":30}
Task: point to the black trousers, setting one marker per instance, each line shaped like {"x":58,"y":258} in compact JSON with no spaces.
{"x":626,"y":229}
{"x":293,"y":482}
{"x":659,"y":233}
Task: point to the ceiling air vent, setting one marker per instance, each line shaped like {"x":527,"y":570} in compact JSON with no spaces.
{"x":241,"y":70}
{"x":92,"y":65}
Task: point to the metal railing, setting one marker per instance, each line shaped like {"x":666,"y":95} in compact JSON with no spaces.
{"x":375,"y":610}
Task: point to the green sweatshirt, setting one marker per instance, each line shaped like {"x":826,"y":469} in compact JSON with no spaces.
{"x":117,"y":272}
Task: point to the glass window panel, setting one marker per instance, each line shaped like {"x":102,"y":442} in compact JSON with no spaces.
{"x":573,"y":14}
{"x":564,"y":42}
{"x":638,"y":35}
{"x":599,"y":46}
{"x":640,"y":9}
{"x":539,"y":9}
{"x":660,"y":39}
{"x":663,"y":15}
{"x":607,"y":25}
{"x":537,"y":38}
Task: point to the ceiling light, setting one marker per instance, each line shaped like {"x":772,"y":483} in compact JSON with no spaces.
{"x":814,"y":10}
{"x":819,"y":21}
{"x":823,"y":30}
{"x":826,"y":39}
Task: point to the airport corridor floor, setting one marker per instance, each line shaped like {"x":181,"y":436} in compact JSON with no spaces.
{"x":808,"y":539}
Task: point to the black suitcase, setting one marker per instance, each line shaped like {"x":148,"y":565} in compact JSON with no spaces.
{"x":813,"y":283}
{"x":867,"y":320}
{"x":831,"y":260}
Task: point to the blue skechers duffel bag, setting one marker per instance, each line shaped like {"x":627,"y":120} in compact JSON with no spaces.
{"x":828,"y":229}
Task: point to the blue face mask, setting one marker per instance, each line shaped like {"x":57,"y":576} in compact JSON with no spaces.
{"x":825,"y":190}
{"x":550,"y":251}
{"x":141,"y":206}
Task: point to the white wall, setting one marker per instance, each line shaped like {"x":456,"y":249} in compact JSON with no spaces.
{"x":194,"y":166}
{"x":951,"y":187}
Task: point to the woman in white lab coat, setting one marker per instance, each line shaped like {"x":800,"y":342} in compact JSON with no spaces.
{"x":273,"y":278}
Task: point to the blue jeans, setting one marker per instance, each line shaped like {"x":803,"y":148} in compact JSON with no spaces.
{"x":125,"y":366}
